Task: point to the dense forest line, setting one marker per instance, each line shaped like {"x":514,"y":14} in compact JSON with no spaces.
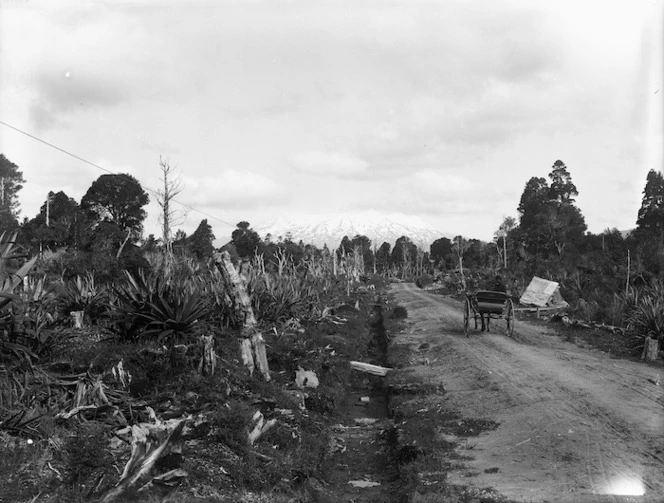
{"x":604,"y":277}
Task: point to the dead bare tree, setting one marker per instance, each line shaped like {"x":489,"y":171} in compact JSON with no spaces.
{"x":420,"y":261}
{"x":459,"y":247}
{"x":509,"y":223}
{"x":169,"y":217}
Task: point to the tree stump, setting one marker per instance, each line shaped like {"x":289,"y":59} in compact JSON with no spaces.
{"x":209,"y":359}
{"x":252,"y":338}
{"x":77,"y":318}
{"x":650,"y":349}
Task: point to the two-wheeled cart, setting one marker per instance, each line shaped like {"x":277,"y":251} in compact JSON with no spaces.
{"x":487,"y":305}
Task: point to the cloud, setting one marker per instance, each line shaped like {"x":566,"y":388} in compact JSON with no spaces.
{"x":231,"y":187}
{"x":437,"y":184}
{"x":62,"y":92}
{"x":65,"y":60}
{"x":434,"y":192}
{"x":448,"y":92}
{"x":329,"y":163}
{"x":425,"y":191}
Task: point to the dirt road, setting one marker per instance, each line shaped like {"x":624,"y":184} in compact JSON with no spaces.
{"x":574,"y":424}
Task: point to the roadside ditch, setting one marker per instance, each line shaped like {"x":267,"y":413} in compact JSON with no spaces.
{"x":359,"y":467}
{"x":394,"y":440}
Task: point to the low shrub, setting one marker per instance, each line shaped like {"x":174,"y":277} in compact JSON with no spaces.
{"x":424,"y":280}
{"x":86,"y":452}
{"x":399,"y":313}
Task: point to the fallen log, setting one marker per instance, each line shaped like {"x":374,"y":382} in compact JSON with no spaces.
{"x":74,"y":411}
{"x":610,"y":328}
{"x":368,"y":368}
{"x":171,"y":478}
{"x":574,"y":323}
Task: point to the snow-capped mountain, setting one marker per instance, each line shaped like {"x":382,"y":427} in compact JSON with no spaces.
{"x":331,"y":229}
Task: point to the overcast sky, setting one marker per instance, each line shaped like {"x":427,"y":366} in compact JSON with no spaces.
{"x":441,"y":109}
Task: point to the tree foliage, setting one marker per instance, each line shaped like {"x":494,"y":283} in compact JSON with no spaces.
{"x":59,"y":223}
{"x":562,"y":189}
{"x":383,"y":257}
{"x":549,"y":221}
{"x":440,"y":251}
{"x":11,"y":182}
{"x":245,"y":239}
{"x":118,"y":199}
{"x":200,"y":242}
{"x":650,"y":218}
{"x":404,"y":255}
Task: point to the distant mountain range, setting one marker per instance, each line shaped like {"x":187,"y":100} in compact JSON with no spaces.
{"x":331,"y":229}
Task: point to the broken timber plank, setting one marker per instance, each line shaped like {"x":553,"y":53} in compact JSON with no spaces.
{"x":368,"y":368}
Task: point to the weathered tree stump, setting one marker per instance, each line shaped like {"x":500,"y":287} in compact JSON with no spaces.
{"x":77,"y":318}
{"x":209,"y":359}
{"x":650,"y":349}
{"x":253,"y":344}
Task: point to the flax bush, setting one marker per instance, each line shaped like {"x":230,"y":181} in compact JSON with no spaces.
{"x":153,"y":306}
{"x":287,"y":292}
{"x":647,"y":315}
{"x":83,"y":294}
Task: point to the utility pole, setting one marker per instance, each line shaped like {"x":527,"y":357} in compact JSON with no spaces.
{"x":627,"y":282}
{"x":48,"y":209}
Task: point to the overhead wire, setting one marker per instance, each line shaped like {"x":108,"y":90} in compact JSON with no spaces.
{"x":82,"y":159}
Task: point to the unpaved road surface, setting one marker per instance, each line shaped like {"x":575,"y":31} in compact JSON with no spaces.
{"x":574,"y":424}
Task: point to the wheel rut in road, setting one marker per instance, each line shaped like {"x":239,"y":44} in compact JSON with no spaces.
{"x":575,"y":425}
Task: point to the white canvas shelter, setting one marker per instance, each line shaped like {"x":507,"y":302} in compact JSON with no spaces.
{"x":542,"y":293}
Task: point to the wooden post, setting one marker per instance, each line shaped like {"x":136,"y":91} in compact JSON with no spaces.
{"x":252,"y":339}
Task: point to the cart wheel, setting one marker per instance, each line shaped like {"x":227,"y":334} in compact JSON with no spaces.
{"x":509,"y":316}
{"x":466,"y":316}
